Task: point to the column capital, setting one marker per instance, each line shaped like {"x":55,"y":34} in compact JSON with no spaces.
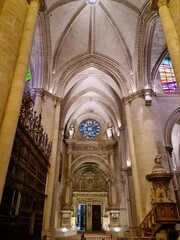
{"x":156,"y":4}
{"x":40,"y":3}
{"x":145,"y":93}
{"x":34,"y":1}
{"x":133,"y":96}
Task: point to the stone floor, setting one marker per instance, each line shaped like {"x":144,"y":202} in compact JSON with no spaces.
{"x":93,"y":235}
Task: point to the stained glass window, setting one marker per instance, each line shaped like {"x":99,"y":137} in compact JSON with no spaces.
{"x":167,"y":76}
{"x":89,"y":128}
{"x":28,"y":75}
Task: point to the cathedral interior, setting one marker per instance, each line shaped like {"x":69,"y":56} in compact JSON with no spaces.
{"x":89,"y":118}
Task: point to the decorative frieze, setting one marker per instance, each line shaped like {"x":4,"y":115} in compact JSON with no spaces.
{"x":100,"y":147}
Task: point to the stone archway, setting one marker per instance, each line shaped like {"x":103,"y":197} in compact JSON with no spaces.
{"x":172,"y":143}
{"x":90,"y":189}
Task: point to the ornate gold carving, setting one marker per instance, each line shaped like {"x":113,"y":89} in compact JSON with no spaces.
{"x":167,"y":212}
{"x":89,"y":179}
{"x":160,"y":182}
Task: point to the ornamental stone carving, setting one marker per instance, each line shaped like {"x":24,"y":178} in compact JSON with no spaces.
{"x":160,"y":182}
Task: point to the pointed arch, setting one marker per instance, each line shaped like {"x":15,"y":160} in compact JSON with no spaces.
{"x":101,"y":62}
{"x":175,"y":116}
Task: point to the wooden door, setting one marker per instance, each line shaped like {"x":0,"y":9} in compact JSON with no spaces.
{"x":96,"y":217}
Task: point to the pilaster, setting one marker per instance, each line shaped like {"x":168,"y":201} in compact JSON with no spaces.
{"x":145,"y":135}
{"x":136,"y":183}
{"x":48,"y":218}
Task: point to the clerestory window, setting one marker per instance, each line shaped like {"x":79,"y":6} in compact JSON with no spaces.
{"x":167,"y":76}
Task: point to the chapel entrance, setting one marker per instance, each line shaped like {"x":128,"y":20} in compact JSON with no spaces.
{"x":96,"y":217}
{"x":81,"y":218}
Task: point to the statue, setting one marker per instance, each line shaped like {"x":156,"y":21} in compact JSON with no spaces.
{"x":109,"y":132}
{"x":71,"y":131}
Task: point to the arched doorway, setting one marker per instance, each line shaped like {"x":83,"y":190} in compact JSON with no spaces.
{"x":90,"y":193}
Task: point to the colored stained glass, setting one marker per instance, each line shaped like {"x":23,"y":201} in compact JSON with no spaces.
{"x":167,"y":76}
{"x":28,"y":75}
{"x":89,"y":128}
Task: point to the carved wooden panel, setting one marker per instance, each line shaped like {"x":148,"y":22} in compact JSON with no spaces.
{"x":167,"y":212}
{"x":22,"y":205}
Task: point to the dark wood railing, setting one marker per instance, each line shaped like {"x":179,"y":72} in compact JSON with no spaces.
{"x":148,"y":224}
{"x":160,"y":214}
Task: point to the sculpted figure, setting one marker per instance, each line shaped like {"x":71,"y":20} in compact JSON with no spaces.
{"x":71,"y":131}
{"x":109,"y":132}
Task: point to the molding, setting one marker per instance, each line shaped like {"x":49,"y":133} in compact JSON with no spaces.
{"x":146,"y":93}
{"x":132,"y":97}
{"x":40,"y":92}
{"x":101,"y":62}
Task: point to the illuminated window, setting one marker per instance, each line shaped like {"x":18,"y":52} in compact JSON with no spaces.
{"x":89,"y":128}
{"x":92,"y":2}
{"x":167,"y":76}
{"x":28,"y":75}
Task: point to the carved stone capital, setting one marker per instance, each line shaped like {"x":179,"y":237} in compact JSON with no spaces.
{"x":48,"y":95}
{"x":133,"y":96}
{"x":160,"y":3}
{"x":145,"y":93}
{"x":39,"y":92}
{"x":148,"y":96}
{"x":156,"y":4}
{"x":36,"y":3}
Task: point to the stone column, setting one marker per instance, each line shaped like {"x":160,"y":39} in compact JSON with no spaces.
{"x":174,"y":7}
{"x":113,"y":190}
{"x":146,"y":140}
{"x":114,"y":211}
{"x":67,"y":208}
{"x":128,"y":173}
{"x":11,"y":115}
{"x":171,"y":36}
{"x":176,"y":174}
{"x":68,"y":180}
{"x":134,"y":163}
{"x":38,"y":101}
{"x":12,"y":18}
{"x":113,"y":193}
{"x":48,"y":218}
{"x":1,"y":5}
